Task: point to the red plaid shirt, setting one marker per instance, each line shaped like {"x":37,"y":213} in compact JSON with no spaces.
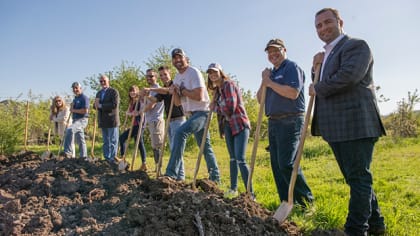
{"x":229,"y":107}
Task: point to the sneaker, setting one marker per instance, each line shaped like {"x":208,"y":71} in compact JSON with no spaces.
{"x":143,"y":167}
{"x":64,"y":154}
{"x":231,"y":194}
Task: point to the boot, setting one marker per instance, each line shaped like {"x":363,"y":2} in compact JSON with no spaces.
{"x":143,"y":167}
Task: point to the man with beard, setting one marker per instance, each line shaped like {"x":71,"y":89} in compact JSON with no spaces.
{"x":189,"y":89}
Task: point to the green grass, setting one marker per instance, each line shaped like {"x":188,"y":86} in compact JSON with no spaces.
{"x":394,"y":167}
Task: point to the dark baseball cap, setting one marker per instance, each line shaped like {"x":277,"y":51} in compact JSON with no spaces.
{"x":76,"y":84}
{"x":178,"y":51}
{"x":278,"y":43}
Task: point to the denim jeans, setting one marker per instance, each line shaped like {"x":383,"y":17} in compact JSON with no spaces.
{"x":124,"y":136}
{"x":110,"y":145}
{"x":173,"y":126}
{"x":236,"y":146}
{"x":194,"y":125}
{"x":75,"y":132}
{"x":284,"y":137}
{"x":354,"y":158}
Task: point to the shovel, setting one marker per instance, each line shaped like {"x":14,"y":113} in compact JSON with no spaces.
{"x":123,"y":163}
{"x":168,"y":120}
{"x":286,"y":207}
{"x":64,"y":134}
{"x":203,"y":141}
{"x":124,"y":127}
{"x":138,"y":133}
{"x":256,"y":139}
{"x":92,"y":149}
{"x":47,"y":153}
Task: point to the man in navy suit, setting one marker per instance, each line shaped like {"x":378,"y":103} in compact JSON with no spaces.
{"x":346,"y":115}
{"x":107,"y":103}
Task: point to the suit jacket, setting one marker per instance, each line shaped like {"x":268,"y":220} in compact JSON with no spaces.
{"x":345,"y":105}
{"x":108,"y":114}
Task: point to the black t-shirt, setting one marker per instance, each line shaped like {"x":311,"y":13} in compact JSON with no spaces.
{"x":177,"y":111}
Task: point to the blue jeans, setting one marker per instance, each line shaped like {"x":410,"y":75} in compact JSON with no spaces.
{"x":194,"y":125}
{"x":75,"y":132}
{"x":354,"y":158}
{"x":110,"y":145}
{"x":236,"y":146}
{"x":284,"y":137}
{"x":123,"y":138}
{"x":173,"y":126}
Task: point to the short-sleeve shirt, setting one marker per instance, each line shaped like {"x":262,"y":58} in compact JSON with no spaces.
{"x":192,"y":78}
{"x":290,"y":74}
{"x":156,"y":113}
{"x":177,"y":111}
{"x":80,"y":102}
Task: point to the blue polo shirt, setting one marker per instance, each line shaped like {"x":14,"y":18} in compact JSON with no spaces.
{"x":288,"y":73}
{"x":79,"y":102}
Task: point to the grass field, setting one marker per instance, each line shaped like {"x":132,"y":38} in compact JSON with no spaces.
{"x":396,"y":182}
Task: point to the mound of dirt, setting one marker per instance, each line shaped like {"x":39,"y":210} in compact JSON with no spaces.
{"x":75,"y":197}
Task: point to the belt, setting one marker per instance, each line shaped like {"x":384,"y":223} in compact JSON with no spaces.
{"x":285,"y":115}
{"x":177,"y":118}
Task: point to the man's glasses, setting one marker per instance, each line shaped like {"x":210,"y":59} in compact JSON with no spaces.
{"x":150,"y":76}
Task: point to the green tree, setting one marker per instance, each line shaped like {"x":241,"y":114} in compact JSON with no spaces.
{"x":403,"y":123}
{"x":12,"y":125}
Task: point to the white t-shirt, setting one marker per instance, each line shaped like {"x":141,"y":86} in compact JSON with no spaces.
{"x":192,"y":79}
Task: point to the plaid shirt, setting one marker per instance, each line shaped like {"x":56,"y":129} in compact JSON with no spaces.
{"x":229,"y":107}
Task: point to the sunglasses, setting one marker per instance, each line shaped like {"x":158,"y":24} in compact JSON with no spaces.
{"x":101,"y":81}
{"x":150,"y":76}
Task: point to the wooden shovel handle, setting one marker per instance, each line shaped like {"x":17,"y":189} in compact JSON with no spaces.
{"x":203,"y":141}
{"x":165,"y":134}
{"x":256,"y":139}
{"x":302,"y":140}
{"x":138,"y":134}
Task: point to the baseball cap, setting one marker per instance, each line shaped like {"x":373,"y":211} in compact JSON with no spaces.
{"x":215,"y":67}
{"x":278,"y":43}
{"x":76,"y":84}
{"x":178,"y":51}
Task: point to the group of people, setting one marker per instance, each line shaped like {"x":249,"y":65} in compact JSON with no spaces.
{"x":345,"y":115}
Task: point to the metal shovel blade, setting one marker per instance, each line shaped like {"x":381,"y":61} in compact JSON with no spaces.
{"x":122,"y":165}
{"x":45,"y":155}
{"x":283,"y":211}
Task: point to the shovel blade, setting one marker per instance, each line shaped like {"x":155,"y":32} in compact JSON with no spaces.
{"x":283,"y":211}
{"x":45,"y":155}
{"x":122,"y":165}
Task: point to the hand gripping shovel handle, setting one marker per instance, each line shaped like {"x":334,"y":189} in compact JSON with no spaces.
{"x":256,"y":139}
{"x":203,"y":143}
{"x":138,"y":133}
{"x":165,"y":137}
{"x":285,"y":207}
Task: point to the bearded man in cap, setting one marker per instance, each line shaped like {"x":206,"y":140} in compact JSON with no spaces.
{"x":79,"y":109}
{"x":189,"y":90}
{"x":284,"y":107}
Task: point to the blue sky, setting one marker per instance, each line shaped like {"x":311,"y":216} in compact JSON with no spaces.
{"x":46,"y":45}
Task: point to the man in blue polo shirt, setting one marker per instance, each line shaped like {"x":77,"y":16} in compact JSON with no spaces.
{"x":284,"y":107}
{"x":79,"y":109}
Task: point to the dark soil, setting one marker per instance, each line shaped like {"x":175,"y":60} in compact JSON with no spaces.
{"x":76,"y":197}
